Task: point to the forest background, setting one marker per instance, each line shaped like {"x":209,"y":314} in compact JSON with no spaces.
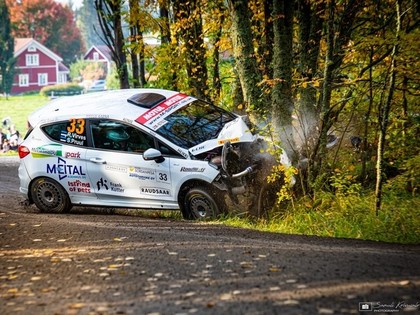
{"x":309,"y":73}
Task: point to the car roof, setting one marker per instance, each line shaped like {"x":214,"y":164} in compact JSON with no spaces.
{"x":117,"y":104}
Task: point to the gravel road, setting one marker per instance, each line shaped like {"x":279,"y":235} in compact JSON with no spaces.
{"x":90,"y":262}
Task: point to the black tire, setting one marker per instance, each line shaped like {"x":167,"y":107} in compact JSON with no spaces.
{"x":266,"y":198}
{"x":199,"y":204}
{"x":49,"y":196}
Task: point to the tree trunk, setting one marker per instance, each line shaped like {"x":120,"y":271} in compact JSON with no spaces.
{"x":282,"y":100}
{"x":383,"y":119}
{"x":191,"y":31}
{"x":309,"y":37}
{"x":246,"y":64}
{"x":217,"y":84}
{"x":7,"y":60}
{"x":109,"y":16}
{"x":329,"y":67}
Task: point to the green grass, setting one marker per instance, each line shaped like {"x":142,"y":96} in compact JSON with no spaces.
{"x":345,"y":217}
{"x":19,"y":107}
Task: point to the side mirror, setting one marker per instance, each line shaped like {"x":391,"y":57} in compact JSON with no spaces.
{"x":153,"y":154}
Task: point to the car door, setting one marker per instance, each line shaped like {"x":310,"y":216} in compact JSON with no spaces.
{"x":64,"y":158}
{"x":119,"y":174}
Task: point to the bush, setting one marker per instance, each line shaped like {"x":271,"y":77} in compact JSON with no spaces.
{"x":61,"y":90}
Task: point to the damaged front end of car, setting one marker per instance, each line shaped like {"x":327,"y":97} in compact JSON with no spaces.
{"x":245,"y":165}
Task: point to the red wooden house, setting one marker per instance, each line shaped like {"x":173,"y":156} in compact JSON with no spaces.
{"x":100,"y":53}
{"x":36,"y":67}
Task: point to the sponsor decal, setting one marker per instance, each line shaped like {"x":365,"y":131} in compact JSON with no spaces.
{"x":231,"y":140}
{"x":115,"y":187}
{"x":47,"y":150}
{"x":193,"y":169}
{"x":97,"y":116}
{"x":79,"y":186}
{"x":72,"y":155}
{"x":142,"y":173}
{"x":197,"y":148}
{"x":155,"y":191}
{"x":65,"y":170}
{"x":183,"y":153}
{"x":116,"y":168}
{"x":155,"y":118}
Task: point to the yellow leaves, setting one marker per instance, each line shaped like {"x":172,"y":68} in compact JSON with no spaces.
{"x":246,"y":264}
{"x":119,"y":239}
{"x":77,"y":305}
{"x":12,"y":291}
{"x":36,"y":278}
{"x":274,"y":269}
{"x":316,"y":83}
{"x":311,"y":84}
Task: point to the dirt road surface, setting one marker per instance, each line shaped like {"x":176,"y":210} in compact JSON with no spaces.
{"x":90,"y":262}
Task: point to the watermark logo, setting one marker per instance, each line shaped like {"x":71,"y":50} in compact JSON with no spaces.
{"x":365,"y":307}
{"x":393,"y":307}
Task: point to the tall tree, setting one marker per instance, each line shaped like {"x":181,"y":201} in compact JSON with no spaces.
{"x":384,"y":117}
{"x":136,"y":44}
{"x":88,"y":23}
{"x":282,"y":100}
{"x":246,"y":63}
{"x":110,"y":20}
{"x":190,"y":29}
{"x":310,"y":18}
{"x":48,"y":22}
{"x":7,"y":59}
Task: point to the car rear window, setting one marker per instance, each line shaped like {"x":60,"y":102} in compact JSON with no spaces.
{"x":195,"y":123}
{"x":72,"y":131}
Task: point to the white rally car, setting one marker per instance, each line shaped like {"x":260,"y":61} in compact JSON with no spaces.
{"x":144,"y":149}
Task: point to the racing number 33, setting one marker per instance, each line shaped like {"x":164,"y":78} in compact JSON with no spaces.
{"x":76,"y":125}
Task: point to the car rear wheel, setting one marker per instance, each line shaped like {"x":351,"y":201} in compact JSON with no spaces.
{"x":49,"y":196}
{"x":202,"y":204}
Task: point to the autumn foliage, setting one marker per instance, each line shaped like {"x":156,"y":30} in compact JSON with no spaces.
{"x":48,"y":22}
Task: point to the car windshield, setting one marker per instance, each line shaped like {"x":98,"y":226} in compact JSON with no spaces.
{"x":195,"y":123}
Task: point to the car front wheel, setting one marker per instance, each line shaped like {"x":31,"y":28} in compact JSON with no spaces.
{"x":200,"y":204}
{"x":49,"y":196}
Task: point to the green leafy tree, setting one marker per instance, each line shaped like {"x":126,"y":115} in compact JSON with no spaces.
{"x":7,"y":59}
{"x":189,"y":28}
{"x":88,"y":23}
{"x":48,"y":22}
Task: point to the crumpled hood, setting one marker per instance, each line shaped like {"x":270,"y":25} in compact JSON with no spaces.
{"x":234,"y":132}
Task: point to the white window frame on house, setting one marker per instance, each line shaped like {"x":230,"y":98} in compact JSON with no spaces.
{"x":32,"y":60}
{"x":95,"y":56}
{"x":23,"y":79}
{"x":62,"y":78}
{"x":42,"y":79}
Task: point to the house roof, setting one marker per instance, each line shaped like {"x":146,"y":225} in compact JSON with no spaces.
{"x":21,"y":44}
{"x":63,"y":68}
{"x":103,"y":50}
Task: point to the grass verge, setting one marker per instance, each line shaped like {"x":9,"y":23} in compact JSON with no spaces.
{"x":17,"y":108}
{"x":344,"y":217}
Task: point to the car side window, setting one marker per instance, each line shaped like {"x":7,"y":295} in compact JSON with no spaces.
{"x":72,"y":131}
{"x":117,"y":136}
